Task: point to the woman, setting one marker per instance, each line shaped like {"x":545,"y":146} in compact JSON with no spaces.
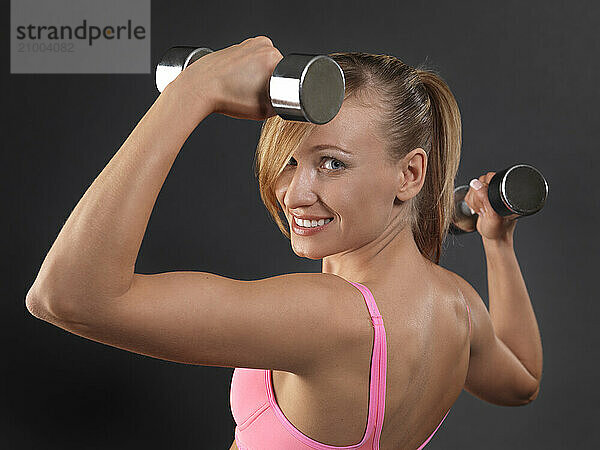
{"x":369,"y":193}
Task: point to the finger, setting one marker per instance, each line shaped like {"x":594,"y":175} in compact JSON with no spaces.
{"x":477,"y":190}
{"x":472,"y":200}
{"x":483,"y":193}
{"x":278,"y":55}
{"x":484,"y":196}
{"x":275,"y":55}
{"x":485,"y":200}
{"x":487,"y":205}
{"x":468,"y":199}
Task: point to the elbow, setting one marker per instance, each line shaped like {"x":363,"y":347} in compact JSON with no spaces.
{"x":41,"y":308}
{"x":33,"y":302}
{"x":533,"y":396}
{"x":532,"y":390}
{"x":35,"y":306}
{"x":533,"y":393}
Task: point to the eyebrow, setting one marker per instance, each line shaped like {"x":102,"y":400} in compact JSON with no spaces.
{"x":328,"y":146}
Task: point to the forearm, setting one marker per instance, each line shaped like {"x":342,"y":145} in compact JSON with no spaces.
{"x":510,"y":308}
{"x":95,"y":252}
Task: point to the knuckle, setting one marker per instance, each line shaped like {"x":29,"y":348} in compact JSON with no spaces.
{"x":263,"y":40}
{"x":269,"y":54}
{"x":268,"y":50}
{"x":274,"y":54}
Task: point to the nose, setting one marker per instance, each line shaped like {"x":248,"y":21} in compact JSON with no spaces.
{"x":300,"y":190}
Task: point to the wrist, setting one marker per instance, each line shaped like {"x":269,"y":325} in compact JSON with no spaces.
{"x":501,"y":242}
{"x":498,"y":252}
{"x":193,"y":103}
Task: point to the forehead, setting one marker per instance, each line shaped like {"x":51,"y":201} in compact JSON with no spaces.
{"x":355,"y":128}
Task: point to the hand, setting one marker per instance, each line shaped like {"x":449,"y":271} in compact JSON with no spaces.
{"x":490,"y":224}
{"x":235,"y":80}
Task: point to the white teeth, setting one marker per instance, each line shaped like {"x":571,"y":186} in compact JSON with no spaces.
{"x":311,"y":223}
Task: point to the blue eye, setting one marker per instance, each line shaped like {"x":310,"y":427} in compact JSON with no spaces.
{"x":338,"y":166}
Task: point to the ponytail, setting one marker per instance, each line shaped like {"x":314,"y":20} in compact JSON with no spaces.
{"x":435,"y":202}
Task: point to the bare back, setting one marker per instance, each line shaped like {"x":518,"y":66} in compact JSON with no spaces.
{"x":427,"y":331}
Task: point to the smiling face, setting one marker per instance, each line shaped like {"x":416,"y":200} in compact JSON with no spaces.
{"x":356,"y":186}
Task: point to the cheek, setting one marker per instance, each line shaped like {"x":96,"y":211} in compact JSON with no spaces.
{"x":366,"y":204}
{"x":351,"y":201}
{"x":279,"y":189}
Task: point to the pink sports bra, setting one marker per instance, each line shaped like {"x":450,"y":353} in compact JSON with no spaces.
{"x":261,"y":425}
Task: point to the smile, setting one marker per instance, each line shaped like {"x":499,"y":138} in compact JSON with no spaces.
{"x":305,"y":227}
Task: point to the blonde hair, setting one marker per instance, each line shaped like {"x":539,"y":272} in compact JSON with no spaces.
{"x":415,"y":108}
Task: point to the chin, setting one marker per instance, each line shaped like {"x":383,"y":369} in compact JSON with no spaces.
{"x":304,"y":252}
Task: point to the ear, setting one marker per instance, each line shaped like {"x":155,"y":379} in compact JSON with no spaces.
{"x":413,"y":168}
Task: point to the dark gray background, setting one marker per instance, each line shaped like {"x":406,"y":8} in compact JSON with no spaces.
{"x":525,"y":75}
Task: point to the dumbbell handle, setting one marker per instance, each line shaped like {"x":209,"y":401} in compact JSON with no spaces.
{"x":303,"y":87}
{"x":519,"y":189}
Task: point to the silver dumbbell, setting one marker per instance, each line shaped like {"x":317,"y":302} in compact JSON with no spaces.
{"x":303,"y":87}
{"x":520,"y":189}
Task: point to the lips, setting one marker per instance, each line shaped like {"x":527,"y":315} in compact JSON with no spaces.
{"x":302,"y":231}
{"x":312,"y":221}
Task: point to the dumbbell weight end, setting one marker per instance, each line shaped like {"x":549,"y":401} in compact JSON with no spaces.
{"x":303,"y":87}
{"x":520,"y":189}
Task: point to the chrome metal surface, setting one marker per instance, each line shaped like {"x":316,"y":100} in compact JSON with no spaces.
{"x":303,"y":87}
{"x":308,"y":88}
{"x":174,"y":61}
{"x":519,"y":189}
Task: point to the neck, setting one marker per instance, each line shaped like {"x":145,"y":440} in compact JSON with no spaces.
{"x":393,"y":253}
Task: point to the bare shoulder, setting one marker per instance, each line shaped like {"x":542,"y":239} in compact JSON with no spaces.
{"x":287,"y":322}
{"x":478,"y":313}
{"x":457,"y":292}
{"x":344,"y":302}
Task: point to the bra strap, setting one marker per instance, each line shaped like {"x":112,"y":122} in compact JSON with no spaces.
{"x":379,"y":361}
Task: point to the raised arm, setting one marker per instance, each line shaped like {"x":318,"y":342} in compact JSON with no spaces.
{"x":495,"y":373}
{"x":87,"y":283}
{"x":95,"y":252}
{"x":511,"y":311}
{"x":506,"y":347}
